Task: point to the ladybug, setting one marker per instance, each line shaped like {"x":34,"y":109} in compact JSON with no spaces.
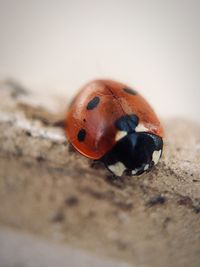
{"x":113,"y":123}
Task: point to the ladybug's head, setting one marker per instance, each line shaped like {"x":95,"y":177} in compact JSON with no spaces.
{"x":135,"y":152}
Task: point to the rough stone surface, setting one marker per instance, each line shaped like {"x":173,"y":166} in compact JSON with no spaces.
{"x":48,"y":189}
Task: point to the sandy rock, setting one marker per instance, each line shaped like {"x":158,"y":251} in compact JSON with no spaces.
{"x":50,"y":190}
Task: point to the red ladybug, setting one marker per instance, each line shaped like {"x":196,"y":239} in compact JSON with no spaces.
{"x":111,"y":122}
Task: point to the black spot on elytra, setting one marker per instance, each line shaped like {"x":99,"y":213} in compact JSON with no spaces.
{"x":93,"y":103}
{"x":130,"y":91}
{"x":127,"y":123}
{"x":81,"y":135}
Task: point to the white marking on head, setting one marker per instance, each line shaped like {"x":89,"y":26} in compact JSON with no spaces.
{"x":134,"y":172}
{"x":120,"y":135}
{"x":141,"y":128}
{"x":117,"y":168}
{"x":146,"y":167}
{"x":156,"y":156}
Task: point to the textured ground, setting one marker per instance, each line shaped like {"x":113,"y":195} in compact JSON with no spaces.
{"x":48,"y":189}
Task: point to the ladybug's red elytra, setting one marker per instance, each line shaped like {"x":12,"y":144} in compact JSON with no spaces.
{"x":111,"y":122}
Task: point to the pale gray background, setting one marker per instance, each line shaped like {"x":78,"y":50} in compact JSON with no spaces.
{"x":56,"y":46}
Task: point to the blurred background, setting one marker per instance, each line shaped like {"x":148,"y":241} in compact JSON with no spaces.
{"x":54,"y":47}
